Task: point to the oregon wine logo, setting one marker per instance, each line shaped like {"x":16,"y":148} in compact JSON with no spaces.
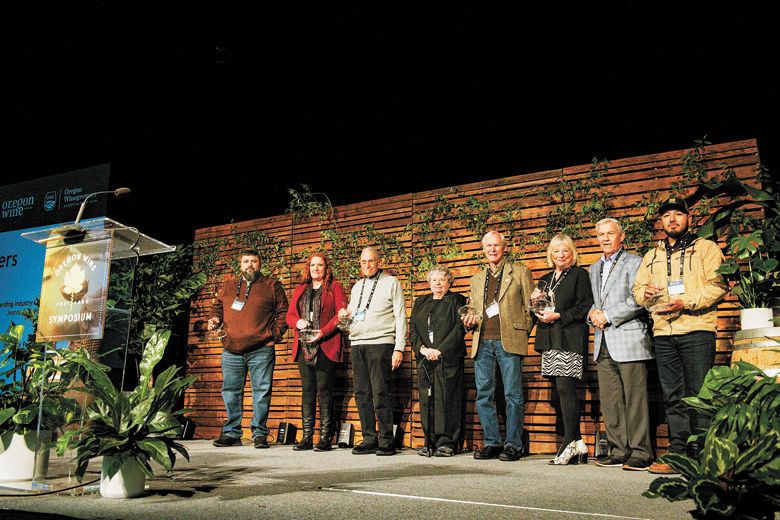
{"x":74,"y":291}
{"x":50,"y":200}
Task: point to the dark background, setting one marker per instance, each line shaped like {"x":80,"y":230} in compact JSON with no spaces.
{"x":211,"y":115}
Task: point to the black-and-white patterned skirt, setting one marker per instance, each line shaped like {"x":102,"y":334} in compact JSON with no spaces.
{"x":562,"y":363}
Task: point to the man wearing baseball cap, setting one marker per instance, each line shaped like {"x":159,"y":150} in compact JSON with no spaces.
{"x":678,"y":284}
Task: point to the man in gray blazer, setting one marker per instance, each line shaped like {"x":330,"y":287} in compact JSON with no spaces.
{"x":621,"y":346}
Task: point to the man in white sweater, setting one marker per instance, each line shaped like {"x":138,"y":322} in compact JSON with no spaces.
{"x":378,"y":336}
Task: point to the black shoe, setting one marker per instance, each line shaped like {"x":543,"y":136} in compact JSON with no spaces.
{"x":261,"y":441}
{"x":364,"y":449}
{"x":488,"y":452}
{"x":444,"y":451}
{"x":510,"y":453}
{"x":425,"y":452}
{"x":385,"y":451}
{"x":227,"y":440}
{"x":610,"y":462}
{"x":633,"y":464}
{"x":306,"y":443}
{"x":323,"y":445}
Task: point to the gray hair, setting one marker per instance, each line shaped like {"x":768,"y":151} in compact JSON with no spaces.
{"x":371,"y":250}
{"x":609,"y":220}
{"x":442,"y":270}
{"x":496,"y":233}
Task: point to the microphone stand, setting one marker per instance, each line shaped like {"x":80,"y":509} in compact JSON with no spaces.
{"x":76,"y":233}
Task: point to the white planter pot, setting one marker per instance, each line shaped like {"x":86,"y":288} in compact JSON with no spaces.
{"x":756,"y":318}
{"x":128,"y":482}
{"x":17,"y":456}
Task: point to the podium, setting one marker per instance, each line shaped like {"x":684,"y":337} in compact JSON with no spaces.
{"x":86,"y":300}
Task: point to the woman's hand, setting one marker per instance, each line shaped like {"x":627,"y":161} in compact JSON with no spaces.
{"x":548,"y":316}
{"x":431,"y":354}
{"x":302,"y":324}
{"x":537,"y":295}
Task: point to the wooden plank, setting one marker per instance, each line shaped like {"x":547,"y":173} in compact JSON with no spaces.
{"x":627,"y":180}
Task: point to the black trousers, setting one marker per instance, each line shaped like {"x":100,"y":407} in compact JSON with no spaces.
{"x":371,"y":377}
{"x":317,"y":380}
{"x":446,"y":400}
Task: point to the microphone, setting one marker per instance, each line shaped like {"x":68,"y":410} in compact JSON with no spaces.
{"x":117,"y":192}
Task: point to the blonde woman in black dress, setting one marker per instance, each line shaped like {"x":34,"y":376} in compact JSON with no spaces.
{"x":562,"y":338}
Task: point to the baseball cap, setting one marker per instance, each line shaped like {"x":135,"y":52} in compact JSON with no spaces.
{"x":673,"y":203}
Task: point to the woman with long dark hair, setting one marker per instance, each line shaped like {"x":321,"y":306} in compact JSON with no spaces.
{"x":316,"y":348}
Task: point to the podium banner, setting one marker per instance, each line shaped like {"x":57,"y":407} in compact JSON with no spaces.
{"x":74,"y":291}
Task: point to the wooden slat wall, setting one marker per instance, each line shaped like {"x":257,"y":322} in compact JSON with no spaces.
{"x":628,"y":180}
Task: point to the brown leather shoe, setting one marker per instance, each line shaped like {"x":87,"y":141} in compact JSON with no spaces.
{"x":659,"y":468}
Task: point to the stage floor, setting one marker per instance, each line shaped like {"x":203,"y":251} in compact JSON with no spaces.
{"x":243,"y":482}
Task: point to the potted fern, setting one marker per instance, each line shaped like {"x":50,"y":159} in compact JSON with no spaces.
{"x":130,"y":430}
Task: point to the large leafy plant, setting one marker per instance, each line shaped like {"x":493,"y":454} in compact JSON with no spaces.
{"x":738,"y":472}
{"x":753,"y":245}
{"x":753,"y":268}
{"x":141,"y":426}
{"x":158,"y":290}
{"x":32,"y":373}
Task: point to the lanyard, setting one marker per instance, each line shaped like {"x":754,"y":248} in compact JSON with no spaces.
{"x":362,"y":287}
{"x":614,"y":263}
{"x":669,"y":259}
{"x":498,"y":286}
{"x":238,"y":288}
{"x":563,"y":275}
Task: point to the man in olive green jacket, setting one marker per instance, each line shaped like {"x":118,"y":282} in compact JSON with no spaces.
{"x":500,"y":295}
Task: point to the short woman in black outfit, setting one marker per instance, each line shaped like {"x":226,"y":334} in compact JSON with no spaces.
{"x":437,"y":338}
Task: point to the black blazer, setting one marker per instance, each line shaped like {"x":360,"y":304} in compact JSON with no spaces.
{"x":573,"y":300}
{"x":445,"y":322}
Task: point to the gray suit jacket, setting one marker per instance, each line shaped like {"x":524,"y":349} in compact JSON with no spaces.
{"x":628,"y":333}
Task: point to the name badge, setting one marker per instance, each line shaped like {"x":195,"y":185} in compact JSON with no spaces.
{"x":359,"y":316}
{"x":676,"y":287}
{"x":492,"y":309}
{"x":237,"y":305}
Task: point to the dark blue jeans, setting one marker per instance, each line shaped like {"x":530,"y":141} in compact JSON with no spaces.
{"x":491,"y":353}
{"x":683,"y":361}
{"x":260,"y":364}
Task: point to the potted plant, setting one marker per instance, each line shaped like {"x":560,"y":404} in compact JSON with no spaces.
{"x":753,"y":244}
{"x":755,"y":274}
{"x":34,"y":379}
{"x":737,"y":474}
{"x":130,"y":430}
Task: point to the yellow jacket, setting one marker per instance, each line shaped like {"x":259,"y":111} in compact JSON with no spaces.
{"x":704,"y":288}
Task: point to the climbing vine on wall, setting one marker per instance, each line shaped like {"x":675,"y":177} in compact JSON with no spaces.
{"x":435,"y":233}
{"x":576,"y":202}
